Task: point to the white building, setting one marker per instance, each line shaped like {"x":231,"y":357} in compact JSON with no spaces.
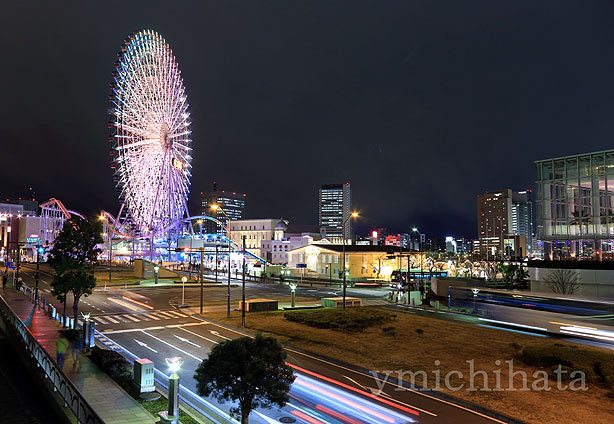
{"x":276,"y":251}
{"x":256,"y":231}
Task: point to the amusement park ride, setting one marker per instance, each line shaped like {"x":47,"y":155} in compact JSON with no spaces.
{"x":151,"y":155}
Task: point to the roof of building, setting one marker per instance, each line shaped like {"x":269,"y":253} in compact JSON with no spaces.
{"x":352,"y":248}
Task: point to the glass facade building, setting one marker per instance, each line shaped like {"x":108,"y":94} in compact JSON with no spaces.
{"x":334,"y":206}
{"x":574,"y":196}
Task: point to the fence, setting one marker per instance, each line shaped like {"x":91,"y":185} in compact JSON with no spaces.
{"x":73,"y":399}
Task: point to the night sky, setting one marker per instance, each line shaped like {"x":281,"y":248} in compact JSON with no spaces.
{"x":420,"y":105}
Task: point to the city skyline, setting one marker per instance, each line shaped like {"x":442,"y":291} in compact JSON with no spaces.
{"x":406,"y":104}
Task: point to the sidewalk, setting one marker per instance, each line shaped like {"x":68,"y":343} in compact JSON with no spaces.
{"x":109,"y":401}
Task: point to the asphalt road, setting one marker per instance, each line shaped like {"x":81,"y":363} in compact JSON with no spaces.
{"x":141,"y":323}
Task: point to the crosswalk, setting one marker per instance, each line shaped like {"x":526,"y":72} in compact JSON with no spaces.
{"x":132,"y":318}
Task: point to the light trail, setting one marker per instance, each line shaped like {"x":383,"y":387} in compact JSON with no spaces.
{"x":346,"y":386}
{"x":124,"y":304}
{"x":144,"y":305}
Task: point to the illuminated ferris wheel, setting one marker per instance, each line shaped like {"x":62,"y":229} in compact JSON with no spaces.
{"x":150,"y":134}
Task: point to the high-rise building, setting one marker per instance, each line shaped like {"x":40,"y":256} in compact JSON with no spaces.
{"x":522,"y":223}
{"x":335,"y":205}
{"x":231,"y":202}
{"x":503,"y":227}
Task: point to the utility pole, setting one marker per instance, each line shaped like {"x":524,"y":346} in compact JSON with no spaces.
{"x":202,"y":251}
{"x":216,"y":249}
{"x":228,"y":312}
{"x":38,"y":267}
{"x":110,"y":251}
{"x":243,"y":294}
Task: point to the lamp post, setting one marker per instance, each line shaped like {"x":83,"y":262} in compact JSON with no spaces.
{"x":217,"y":246}
{"x":39,"y":252}
{"x":156,"y":269}
{"x":293,"y":293}
{"x":228,"y":304}
{"x":243,"y":287}
{"x":202,"y":254}
{"x":228,"y":222}
{"x":183,"y":280}
{"x":171,"y":416}
{"x":422,"y":284}
{"x":352,"y":215}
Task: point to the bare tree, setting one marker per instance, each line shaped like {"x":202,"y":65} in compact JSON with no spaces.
{"x":564,"y":281}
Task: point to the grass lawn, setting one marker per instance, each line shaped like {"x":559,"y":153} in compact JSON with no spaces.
{"x":407,"y":348}
{"x":117,"y":277}
{"x":153,"y":407}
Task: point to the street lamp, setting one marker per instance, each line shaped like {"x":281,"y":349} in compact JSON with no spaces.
{"x":422,"y":284}
{"x":183,"y":280}
{"x":293,"y":293}
{"x":156,"y":269}
{"x":352,"y":215}
{"x":171,"y":416}
{"x":216,"y":208}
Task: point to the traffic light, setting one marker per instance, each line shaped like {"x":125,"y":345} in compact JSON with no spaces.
{"x":40,"y":250}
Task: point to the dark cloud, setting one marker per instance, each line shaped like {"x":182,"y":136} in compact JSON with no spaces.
{"x":420,"y":105}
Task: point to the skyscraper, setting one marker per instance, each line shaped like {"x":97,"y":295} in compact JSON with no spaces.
{"x":503,"y":223}
{"x":334,"y":206}
{"x":232,"y":203}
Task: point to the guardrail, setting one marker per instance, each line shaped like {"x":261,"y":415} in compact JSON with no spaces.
{"x":73,"y":399}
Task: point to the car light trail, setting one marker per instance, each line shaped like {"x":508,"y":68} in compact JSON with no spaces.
{"x":362,"y":392}
{"x":144,"y":305}
{"x":514,"y":324}
{"x":337,"y":415}
{"x":313,"y":393}
{"x":124,"y":304}
{"x":327,"y":394}
{"x":305,"y":417}
{"x":588,"y":332}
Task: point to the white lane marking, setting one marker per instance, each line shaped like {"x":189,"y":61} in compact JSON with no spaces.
{"x":178,"y":314}
{"x":145,"y":345}
{"x":131,"y":318}
{"x":113,"y":320}
{"x":174,"y":347}
{"x":144,"y":317}
{"x":101,"y":320}
{"x":215,"y":333}
{"x":183,"y":339}
{"x":152,"y":316}
{"x":121,"y":318}
{"x":165,"y":314}
{"x":198,"y":335}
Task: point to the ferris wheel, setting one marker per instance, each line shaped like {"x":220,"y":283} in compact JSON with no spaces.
{"x":150,"y":134}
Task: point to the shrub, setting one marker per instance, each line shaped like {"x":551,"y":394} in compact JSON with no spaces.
{"x":389,"y":331}
{"x":597,"y":366}
{"x":111,"y":362}
{"x":349,"y":320}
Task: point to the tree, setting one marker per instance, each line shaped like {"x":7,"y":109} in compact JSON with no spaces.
{"x":252,"y":372}
{"x":74,"y":247}
{"x":564,"y":281}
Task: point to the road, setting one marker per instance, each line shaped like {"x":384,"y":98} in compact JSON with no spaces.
{"x":140,"y":323}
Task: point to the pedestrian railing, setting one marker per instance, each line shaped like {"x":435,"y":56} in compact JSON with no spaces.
{"x":73,"y":399}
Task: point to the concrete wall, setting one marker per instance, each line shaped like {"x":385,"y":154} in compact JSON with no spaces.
{"x":593,"y":282}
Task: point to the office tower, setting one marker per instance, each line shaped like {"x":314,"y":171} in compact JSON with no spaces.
{"x":501,"y":219}
{"x":231,"y":202}
{"x":335,"y":205}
